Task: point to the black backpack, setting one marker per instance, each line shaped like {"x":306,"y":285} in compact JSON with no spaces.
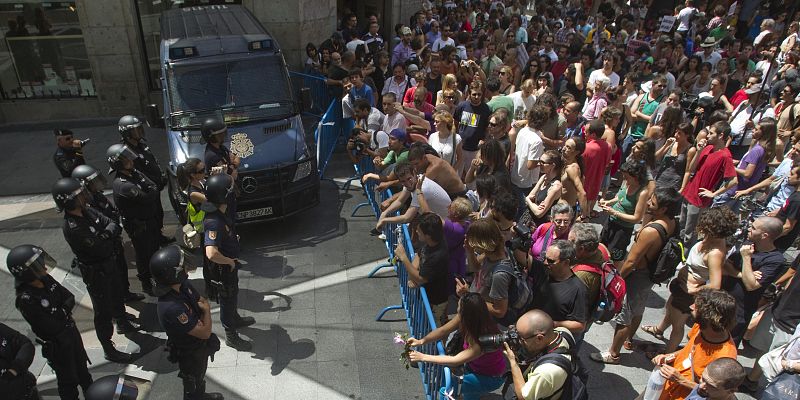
{"x":520,"y":294}
{"x":575,"y":386}
{"x":672,"y":254}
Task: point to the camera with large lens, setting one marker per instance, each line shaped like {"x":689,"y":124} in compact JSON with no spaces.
{"x":359,"y":145}
{"x":494,"y":342}
{"x":522,"y":238}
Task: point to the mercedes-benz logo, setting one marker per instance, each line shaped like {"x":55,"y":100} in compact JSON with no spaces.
{"x":249,"y":184}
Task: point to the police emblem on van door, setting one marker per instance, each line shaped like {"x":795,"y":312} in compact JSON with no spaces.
{"x":241,"y":145}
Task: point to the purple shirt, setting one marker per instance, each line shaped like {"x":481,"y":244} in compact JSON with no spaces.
{"x":454,"y":234}
{"x":400,"y":54}
{"x":754,"y":156}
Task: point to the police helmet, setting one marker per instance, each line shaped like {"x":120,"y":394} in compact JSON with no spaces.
{"x":28,"y":262}
{"x":91,"y":178}
{"x":116,"y":153}
{"x":218,"y":187}
{"x":167,"y":266}
{"x":129,"y":124}
{"x":212,"y":126}
{"x":113,"y":387}
{"x":66,"y":192}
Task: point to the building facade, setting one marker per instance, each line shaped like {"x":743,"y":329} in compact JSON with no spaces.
{"x":81,"y":59}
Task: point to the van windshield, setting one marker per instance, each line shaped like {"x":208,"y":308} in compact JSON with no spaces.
{"x":243,"y":90}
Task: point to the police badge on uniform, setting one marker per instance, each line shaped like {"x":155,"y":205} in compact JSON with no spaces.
{"x":212,"y":235}
{"x":183,"y":318}
{"x":241,"y":145}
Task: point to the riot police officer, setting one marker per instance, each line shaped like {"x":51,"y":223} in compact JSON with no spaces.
{"x":69,"y":153}
{"x":186,"y":318}
{"x":47,"y":307}
{"x":133,"y":136}
{"x":91,"y":236}
{"x":222,"y":250}
{"x":217,"y":155}
{"x":94,"y":182}
{"x":137,"y":199}
{"x":16,"y":356}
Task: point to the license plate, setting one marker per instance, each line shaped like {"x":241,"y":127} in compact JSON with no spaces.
{"x":258,"y":212}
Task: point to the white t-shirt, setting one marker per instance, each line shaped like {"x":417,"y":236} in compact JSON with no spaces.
{"x":374,"y":121}
{"x":596,"y":74}
{"x":353,"y":44}
{"x":379,"y":140}
{"x":521,"y":105}
{"x":684,"y":16}
{"x":444,"y":146}
{"x":552,"y":55}
{"x":740,"y":118}
{"x":439,"y":44}
{"x":392,"y":122}
{"x":437,"y":198}
{"x":529,"y":146}
{"x":712,"y":59}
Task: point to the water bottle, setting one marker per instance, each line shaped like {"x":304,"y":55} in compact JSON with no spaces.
{"x":655,"y":385}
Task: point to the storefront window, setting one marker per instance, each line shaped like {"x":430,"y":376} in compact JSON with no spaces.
{"x":149,"y":12}
{"x":42,"y":54}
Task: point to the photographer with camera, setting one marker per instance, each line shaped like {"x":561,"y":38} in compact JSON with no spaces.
{"x":365,"y":143}
{"x":69,"y":153}
{"x":483,"y":364}
{"x":538,"y":338}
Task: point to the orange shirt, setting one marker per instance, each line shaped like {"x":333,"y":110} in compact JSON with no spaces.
{"x":696,"y":355}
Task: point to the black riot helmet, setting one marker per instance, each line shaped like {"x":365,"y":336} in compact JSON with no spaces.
{"x":130,"y":127}
{"x":211,"y":127}
{"x":116,"y":153}
{"x":218,"y":188}
{"x":113,"y":387}
{"x":91,"y":178}
{"x":28,"y":263}
{"x":66,"y":193}
{"x":167,"y":265}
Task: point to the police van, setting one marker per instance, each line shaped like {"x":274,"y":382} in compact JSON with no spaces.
{"x":220,"y":61}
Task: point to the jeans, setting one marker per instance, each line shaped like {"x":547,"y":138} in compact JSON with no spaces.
{"x":689,"y":216}
{"x":474,"y":385}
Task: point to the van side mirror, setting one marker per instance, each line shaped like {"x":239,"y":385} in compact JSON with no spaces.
{"x":305,"y":99}
{"x":153,"y":117}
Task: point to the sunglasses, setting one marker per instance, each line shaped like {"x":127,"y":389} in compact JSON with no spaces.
{"x":550,"y":261}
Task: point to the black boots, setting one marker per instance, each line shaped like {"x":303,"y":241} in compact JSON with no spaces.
{"x":233,"y":340}
{"x":116,"y":356}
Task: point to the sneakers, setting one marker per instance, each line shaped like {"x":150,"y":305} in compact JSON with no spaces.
{"x":604,"y":357}
{"x":233,"y":340}
{"x":242,"y":322}
{"x":126,"y":326}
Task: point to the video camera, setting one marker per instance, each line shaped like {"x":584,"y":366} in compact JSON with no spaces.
{"x":690,"y":103}
{"x":522,"y":238}
{"x":514,"y":340}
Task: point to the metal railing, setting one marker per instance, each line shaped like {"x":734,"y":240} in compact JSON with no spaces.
{"x":318,"y":91}
{"x":414,"y":301}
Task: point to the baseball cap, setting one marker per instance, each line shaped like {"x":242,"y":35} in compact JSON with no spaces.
{"x":411,"y":68}
{"x":398,"y":134}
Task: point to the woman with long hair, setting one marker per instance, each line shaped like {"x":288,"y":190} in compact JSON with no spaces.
{"x":547,"y":190}
{"x":753,"y":164}
{"x":449,"y":82}
{"x":625,"y":210}
{"x":544,"y":84}
{"x":666,"y":125}
{"x":483,"y":369}
{"x":491,"y":161}
{"x":644,"y":151}
{"x":689,"y":74}
{"x":507,"y":80}
{"x":702,"y":83}
{"x":191,"y":176}
{"x":611,"y":117}
{"x":673,"y":157}
{"x":444,"y":140}
{"x":702,"y":269}
{"x":717,"y":92}
{"x":572,"y":191}
{"x":313,"y":59}
{"x":531,"y":70}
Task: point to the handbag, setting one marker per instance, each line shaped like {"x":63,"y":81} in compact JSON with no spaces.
{"x":785,"y":386}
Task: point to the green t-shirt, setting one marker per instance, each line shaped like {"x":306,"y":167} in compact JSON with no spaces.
{"x":393,"y":157}
{"x":502,"y":102}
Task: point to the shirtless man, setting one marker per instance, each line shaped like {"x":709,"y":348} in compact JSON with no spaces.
{"x":437,"y":170}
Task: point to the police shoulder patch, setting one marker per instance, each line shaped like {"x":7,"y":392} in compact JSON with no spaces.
{"x":212,"y":235}
{"x":183,"y":318}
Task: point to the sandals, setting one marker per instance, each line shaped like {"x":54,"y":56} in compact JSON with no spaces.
{"x":653,"y":331}
{"x":629,"y":345}
{"x":604,"y":357}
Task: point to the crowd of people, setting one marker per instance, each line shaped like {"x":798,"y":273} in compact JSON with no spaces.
{"x":508,"y":131}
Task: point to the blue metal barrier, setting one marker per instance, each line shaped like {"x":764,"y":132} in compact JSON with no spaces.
{"x":327,"y":135}
{"x":320,"y":98}
{"x":419,"y":315}
{"x":364,"y":166}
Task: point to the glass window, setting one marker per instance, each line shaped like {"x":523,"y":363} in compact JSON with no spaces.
{"x":43,"y":54}
{"x":149,"y":12}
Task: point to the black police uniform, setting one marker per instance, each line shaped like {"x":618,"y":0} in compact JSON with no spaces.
{"x":138,"y":199}
{"x":67,"y":159}
{"x":48,"y":310}
{"x":217,"y":157}
{"x":100,"y":202}
{"x":220,"y":230}
{"x":147,"y":164}
{"x":179,"y":313}
{"x":16,"y":352}
{"x":92,"y":239}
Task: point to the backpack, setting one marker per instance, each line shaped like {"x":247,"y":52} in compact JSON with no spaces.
{"x":575,"y":386}
{"x":672,"y":254}
{"x":612,"y":290}
{"x":520,"y":294}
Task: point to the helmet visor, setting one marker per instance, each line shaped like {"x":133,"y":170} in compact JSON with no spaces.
{"x":96,"y":182}
{"x":40,"y":262}
{"x":137,"y":131}
{"x":128,"y":153}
